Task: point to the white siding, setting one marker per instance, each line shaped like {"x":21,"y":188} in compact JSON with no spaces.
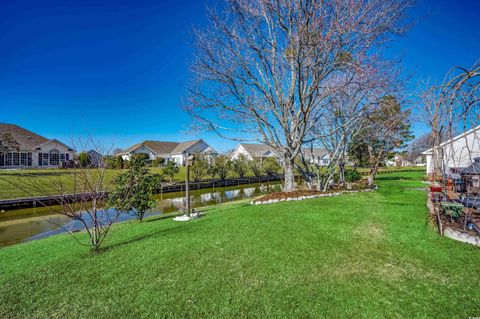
{"x":458,"y":152}
{"x":240,"y":150}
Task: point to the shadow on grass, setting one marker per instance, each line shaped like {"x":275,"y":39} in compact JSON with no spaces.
{"x":169,"y":231}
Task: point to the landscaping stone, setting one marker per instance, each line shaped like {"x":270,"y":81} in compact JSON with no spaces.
{"x":460,"y":236}
{"x":186,"y":218}
{"x":266,"y":200}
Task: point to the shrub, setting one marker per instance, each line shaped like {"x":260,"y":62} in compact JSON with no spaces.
{"x":134,"y":189}
{"x":352,"y":176}
{"x":170,"y":170}
{"x":114,"y":162}
{"x":270,"y":166}
{"x":221,"y":166}
{"x":157,"y":162}
{"x":143,"y":156}
{"x":83,"y":159}
{"x":200,"y":167}
{"x":255,"y":166}
{"x":240,"y":166}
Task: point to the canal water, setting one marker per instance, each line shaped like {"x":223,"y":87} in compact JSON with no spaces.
{"x":33,"y":223}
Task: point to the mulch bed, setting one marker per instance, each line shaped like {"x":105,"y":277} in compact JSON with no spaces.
{"x":284,"y":195}
{"x":457,"y":224}
{"x":306,"y":193}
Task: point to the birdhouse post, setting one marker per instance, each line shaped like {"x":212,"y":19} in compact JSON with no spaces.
{"x":189,"y":162}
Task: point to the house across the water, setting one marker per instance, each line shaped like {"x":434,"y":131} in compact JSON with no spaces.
{"x":254,"y":151}
{"x":32,"y":150}
{"x":318,"y":156}
{"x":170,"y":151}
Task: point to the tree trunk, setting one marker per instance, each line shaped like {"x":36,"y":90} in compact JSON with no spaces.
{"x":289,"y":185}
{"x":341,"y":172}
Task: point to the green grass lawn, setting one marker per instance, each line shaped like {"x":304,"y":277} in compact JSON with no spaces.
{"x":8,"y":179}
{"x":46,"y":176}
{"x":368,"y":255}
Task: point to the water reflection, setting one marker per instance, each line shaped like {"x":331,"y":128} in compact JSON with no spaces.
{"x":33,"y":223}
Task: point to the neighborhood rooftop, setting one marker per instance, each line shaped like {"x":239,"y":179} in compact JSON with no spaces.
{"x":258,"y":150}
{"x":26,"y":139}
{"x":161,"y":147}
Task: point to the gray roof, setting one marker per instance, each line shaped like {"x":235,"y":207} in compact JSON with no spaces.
{"x":26,"y":139}
{"x":183,"y":146}
{"x":156,"y":146}
{"x":160,"y":147}
{"x":259,"y":150}
{"x":473,"y":169}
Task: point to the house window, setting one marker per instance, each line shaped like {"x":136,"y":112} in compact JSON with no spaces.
{"x":62,"y":158}
{"x":8,"y":159}
{"x":29,"y":159}
{"x":54,"y":157}
{"x":45,"y":159}
{"x":16,"y":159}
{"x":23,"y":159}
{"x":2,"y":159}
{"x":67,"y":157}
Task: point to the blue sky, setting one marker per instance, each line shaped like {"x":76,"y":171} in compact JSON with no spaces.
{"x":116,"y":70}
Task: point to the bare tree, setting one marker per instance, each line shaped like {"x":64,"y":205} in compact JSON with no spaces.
{"x":347,"y":115}
{"x":264,"y":69}
{"x":418,"y":146}
{"x":452,"y":107}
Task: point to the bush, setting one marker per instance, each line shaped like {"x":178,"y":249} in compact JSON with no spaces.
{"x":134,"y":189}
{"x":200,"y":167}
{"x":220,"y":167}
{"x":270,"y":166}
{"x":83,"y":159}
{"x":255,"y":166}
{"x":143,"y":156}
{"x":240,"y":166}
{"x":157,"y":162}
{"x":352,"y":176}
{"x":114,"y":162}
{"x":170,"y":170}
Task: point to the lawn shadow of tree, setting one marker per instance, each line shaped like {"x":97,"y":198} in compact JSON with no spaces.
{"x":169,"y":231}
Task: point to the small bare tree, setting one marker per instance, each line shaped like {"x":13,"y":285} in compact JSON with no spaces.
{"x":264,"y":69}
{"x":450,"y":108}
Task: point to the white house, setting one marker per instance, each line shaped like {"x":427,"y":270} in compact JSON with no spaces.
{"x":33,"y":151}
{"x":251,"y":151}
{"x":319,"y":156}
{"x":170,"y":151}
{"x":457,"y":152}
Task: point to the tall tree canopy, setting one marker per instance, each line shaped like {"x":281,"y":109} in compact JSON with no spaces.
{"x":264,"y":69}
{"x":386,"y":129}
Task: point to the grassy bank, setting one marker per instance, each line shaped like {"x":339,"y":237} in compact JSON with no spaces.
{"x":46,"y":176}
{"x":361,"y":255}
{"x":8,"y":178}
